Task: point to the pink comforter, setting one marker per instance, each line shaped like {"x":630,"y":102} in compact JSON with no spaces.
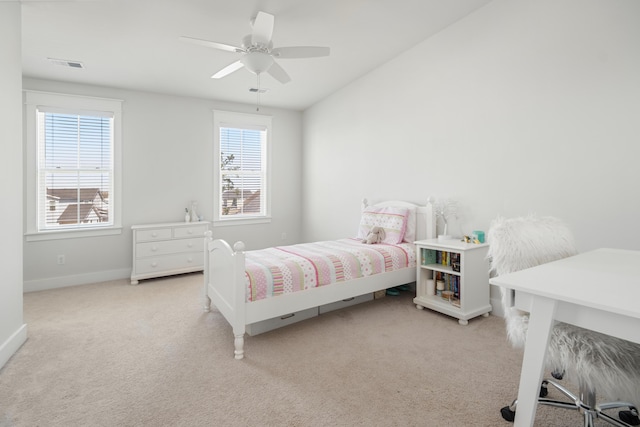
{"x":284,"y":269}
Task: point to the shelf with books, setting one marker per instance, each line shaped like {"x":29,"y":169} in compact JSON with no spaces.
{"x":453,"y":278}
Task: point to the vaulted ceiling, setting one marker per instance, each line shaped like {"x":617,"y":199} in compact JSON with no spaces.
{"x":134,"y":44}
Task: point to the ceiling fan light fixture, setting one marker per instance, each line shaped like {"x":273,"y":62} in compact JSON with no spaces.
{"x":257,"y":62}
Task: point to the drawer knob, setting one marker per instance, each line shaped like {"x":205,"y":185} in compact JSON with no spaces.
{"x":190,"y":260}
{"x":189,"y":231}
{"x":189,"y":245}
{"x":154,"y":234}
{"x":154,"y":248}
{"x":154,"y":264}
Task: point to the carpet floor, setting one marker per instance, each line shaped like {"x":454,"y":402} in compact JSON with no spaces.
{"x":112,"y":354}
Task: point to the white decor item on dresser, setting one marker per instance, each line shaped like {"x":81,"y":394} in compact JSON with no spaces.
{"x":166,"y":249}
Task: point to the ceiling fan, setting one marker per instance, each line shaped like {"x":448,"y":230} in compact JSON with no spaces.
{"x":258,"y":53}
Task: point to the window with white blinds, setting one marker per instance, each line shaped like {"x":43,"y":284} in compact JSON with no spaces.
{"x":72,"y":163}
{"x":75,"y":169}
{"x":241,"y":150}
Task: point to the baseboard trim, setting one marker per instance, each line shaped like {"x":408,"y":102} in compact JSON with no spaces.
{"x":12,"y":344}
{"x":75,"y":280}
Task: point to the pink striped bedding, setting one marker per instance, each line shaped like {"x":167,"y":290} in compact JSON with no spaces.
{"x":284,"y":269}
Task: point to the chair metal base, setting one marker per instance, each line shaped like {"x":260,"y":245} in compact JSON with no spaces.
{"x":586,"y":404}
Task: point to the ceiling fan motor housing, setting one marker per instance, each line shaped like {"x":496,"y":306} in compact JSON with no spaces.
{"x":249,"y":46}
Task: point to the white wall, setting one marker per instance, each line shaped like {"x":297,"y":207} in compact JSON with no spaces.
{"x":521,"y":107}
{"x":167,"y":162}
{"x":13,"y":332}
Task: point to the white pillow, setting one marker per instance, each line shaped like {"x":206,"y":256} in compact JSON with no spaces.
{"x":392,"y":219}
{"x":410,"y":233}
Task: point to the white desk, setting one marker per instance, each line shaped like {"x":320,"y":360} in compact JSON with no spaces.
{"x":598,"y":290}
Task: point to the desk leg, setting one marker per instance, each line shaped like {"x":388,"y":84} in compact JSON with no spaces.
{"x":540,"y":323}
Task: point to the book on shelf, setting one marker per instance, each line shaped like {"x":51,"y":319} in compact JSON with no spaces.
{"x":428,"y":256}
{"x":451,"y":283}
{"x":445,"y":257}
{"x":455,"y":262}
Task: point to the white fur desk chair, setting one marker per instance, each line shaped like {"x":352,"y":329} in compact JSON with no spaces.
{"x":589,"y":359}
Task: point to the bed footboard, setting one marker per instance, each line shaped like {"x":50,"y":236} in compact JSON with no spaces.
{"x":224,"y":285}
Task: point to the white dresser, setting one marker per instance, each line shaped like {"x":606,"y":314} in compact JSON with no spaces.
{"x":166,"y":249}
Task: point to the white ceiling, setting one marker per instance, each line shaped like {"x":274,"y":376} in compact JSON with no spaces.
{"x":133,"y":44}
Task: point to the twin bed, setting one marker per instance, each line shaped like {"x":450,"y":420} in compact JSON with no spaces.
{"x":252,"y":288}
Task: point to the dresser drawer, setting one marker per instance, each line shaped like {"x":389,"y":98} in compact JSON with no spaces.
{"x":153,"y":234}
{"x":178,"y":262}
{"x":191,"y":231}
{"x":165,"y":247}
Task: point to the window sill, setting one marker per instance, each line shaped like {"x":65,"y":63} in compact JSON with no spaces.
{"x":241,"y":221}
{"x":72,"y":234}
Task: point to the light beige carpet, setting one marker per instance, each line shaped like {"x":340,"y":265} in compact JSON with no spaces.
{"x":112,"y":354}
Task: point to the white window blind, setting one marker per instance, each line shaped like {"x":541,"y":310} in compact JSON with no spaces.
{"x":75,"y":167}
{"x":242,"y":171}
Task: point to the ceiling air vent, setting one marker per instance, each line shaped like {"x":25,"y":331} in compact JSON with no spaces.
{"x":66,"y":63}
{"x":257,"y":90}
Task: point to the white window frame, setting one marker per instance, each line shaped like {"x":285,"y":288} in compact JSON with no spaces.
{"x":81,"y":105}
{"x":222,"y":119}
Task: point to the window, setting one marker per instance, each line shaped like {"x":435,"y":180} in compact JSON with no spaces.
{"x":72,"y":165}
{"x":241,"y":144}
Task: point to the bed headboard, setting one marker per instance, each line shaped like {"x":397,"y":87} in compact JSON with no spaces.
{"x":425,"y":216}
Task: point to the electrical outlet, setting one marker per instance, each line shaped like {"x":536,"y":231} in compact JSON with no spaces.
{"x":61,"y":259}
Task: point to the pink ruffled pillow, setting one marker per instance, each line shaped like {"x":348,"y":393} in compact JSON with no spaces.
{"x":392,"y":219}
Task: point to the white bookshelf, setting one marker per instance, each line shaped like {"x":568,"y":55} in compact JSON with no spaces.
{"x":466,"y":285}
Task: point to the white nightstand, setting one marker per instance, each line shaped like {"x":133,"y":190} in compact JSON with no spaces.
{"x":463,"y":270}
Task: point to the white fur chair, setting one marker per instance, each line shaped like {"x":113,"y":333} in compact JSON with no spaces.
{"x":589,"y":359}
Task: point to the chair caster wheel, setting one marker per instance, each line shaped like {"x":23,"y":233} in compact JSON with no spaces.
{"x":508,"y":414}
{"x":629,"y":417}
{"x":543,"y":392}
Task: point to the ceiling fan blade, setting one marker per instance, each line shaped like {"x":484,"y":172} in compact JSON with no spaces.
{"x":228,"y":70}
{"x":262,"y":28}
{"x":300,"y":52}
{"x":208,"y":43}
{"x":278,"y":73}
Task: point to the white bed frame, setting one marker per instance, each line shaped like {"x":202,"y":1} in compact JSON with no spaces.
{"x":224,"y":279}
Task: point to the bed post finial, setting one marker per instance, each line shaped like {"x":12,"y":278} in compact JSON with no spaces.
{"x":365,"y":203}
{"x":238,"y":246}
